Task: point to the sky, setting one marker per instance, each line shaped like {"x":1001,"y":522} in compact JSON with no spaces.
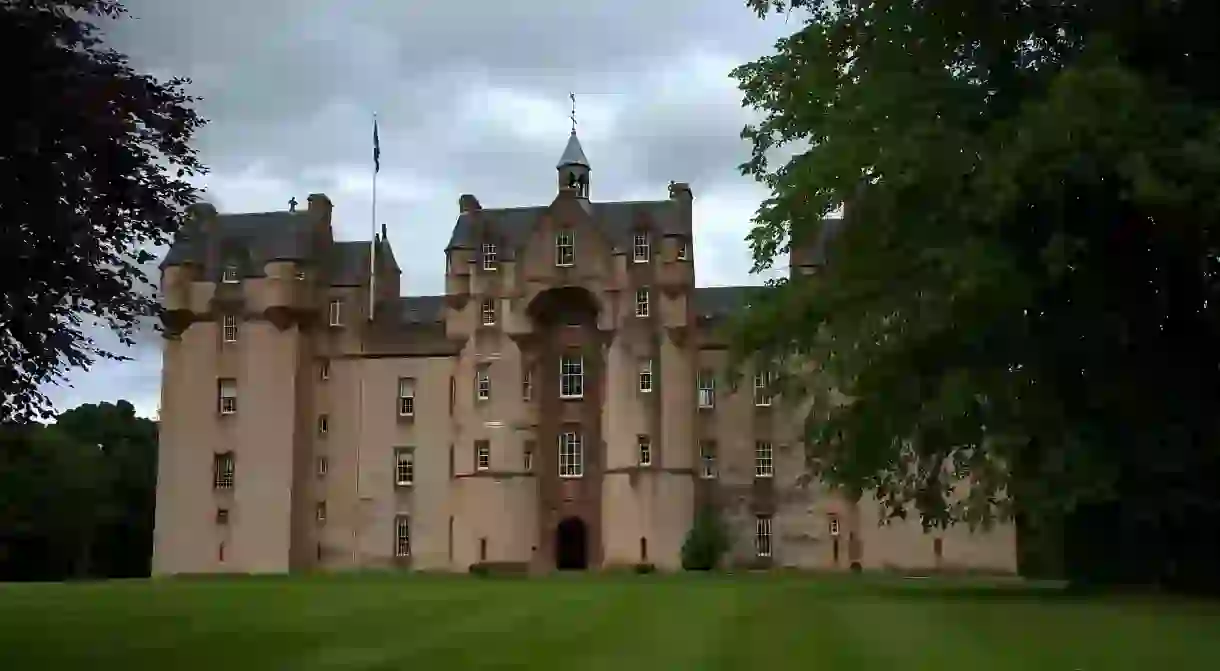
{"x":470,"y":97}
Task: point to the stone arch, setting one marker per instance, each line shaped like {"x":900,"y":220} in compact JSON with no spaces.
{"x":564,"y":306}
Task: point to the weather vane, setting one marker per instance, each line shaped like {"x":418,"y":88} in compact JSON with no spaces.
{"x":573,"y":115}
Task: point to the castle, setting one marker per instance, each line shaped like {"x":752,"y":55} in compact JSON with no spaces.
{"x":564,"y":404}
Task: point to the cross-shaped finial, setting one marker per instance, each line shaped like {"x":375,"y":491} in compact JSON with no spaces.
{"x":292,"y":204}
{"x":573,"y":116}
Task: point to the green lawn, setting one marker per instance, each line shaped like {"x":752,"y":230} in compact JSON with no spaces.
{"x":591,"y":623}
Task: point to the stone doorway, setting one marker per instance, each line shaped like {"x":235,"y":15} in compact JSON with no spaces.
{"x":571,"y":545}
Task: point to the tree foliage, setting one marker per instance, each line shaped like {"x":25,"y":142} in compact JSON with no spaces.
{"x":77,"y":497}
{"x":1025,"y":285}
{"x":706,"y":542}
{"x":93,"y":165}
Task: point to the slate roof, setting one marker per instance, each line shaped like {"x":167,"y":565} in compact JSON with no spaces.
{"x":419,"y":309}
{"x":251,"y":240}
{"x":709,"y":303}
{"x":573,"y":154}
{"x":348,"y":265}
{"x":512,"y":226}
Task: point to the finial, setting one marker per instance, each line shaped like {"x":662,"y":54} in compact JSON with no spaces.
{"x":573,"y":115}
{"x":292,"y":204}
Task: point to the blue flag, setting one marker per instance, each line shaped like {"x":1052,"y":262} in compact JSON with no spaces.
{"x":376,"y":148}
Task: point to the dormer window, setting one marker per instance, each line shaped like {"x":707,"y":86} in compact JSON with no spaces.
{"x":642,"y":250}
{"x":229,"y":274}
{"x":565,"y":249}
{"x":489,"y":256}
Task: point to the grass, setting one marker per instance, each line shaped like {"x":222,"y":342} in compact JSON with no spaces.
{"x":594,"y":623}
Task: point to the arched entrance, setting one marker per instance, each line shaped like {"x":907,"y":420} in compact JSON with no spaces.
{"x":571,"y":545}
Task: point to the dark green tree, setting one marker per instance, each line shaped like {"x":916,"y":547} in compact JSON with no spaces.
{"x":706,"y":542}
{"x":50,"y":487}
{"x":77,"y":497}
{"x":128,"y":480}
{"x":94,"y":163}
{"x":1025,"y":284}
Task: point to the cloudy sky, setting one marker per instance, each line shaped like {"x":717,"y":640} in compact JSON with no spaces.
{"x":471,"y":97}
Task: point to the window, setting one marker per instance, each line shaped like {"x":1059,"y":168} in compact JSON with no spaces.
{"x":707,"y":459}
{"x":404,"y":466}
{"x":229,"y":274}
{"x":489,"y":312}
{"x":229,"y":328}
{"x":300,"y":275}
{"x":527,"y":384}
{"x":406,"y":397}
{"x":762,"y":535}
{"x":323,"y":424}
{"x":646,"y":376}
{"x":320,"y":511}
{"x":336,"y":312}
{"x":762,"y":388}
{"x":222,"y":516}
{"x":565,"y":248}
{"x":641,"y":249}
{"x":571,"y":455}
{"x":482,"y":455}
{"x":489,"y":256}
{"x":483,"y":381}
{"x":834,"y":526}
{"x":227,"y":392}
{"x":324,"y":370}
{"x":402,"y":536}
{"x":707,"y":389}
{"x":641,"y":302}
{"x":644,"y":445}
{"x":571,"y":377}
{"x":527,"y":456}
{"x":223,"y":466}
{"x":763,"y":466}
{"x":683,"y":251}
{"x":323,"y":466}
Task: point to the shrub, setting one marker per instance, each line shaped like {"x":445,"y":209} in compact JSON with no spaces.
{"x":492,"y":568}
{"x":706,"y":542}
{"x":645,"y":568}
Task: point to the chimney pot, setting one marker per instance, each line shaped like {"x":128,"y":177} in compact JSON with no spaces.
{"x":680,"y":190}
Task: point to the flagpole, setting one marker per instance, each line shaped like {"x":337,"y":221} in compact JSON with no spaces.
{"x":373,"y":222}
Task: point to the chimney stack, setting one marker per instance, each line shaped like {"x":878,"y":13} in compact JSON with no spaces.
{"x":468,"y":203}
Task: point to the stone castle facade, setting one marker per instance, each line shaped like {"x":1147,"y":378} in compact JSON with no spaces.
{"x":564,"y":403}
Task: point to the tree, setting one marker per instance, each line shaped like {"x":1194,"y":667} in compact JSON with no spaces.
{"x":706,"y":542}
{"x":128,"y":482}
{"x":93,"y":164}
{"x":1025,"y":284}
{"x":77,"y":497}
{"x":50,"y":487}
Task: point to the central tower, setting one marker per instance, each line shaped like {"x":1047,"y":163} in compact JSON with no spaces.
{"x":574,"y":168}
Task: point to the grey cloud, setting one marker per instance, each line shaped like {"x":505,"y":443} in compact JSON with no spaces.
{"x":293,"y":83}
{"x":289,"y":87}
